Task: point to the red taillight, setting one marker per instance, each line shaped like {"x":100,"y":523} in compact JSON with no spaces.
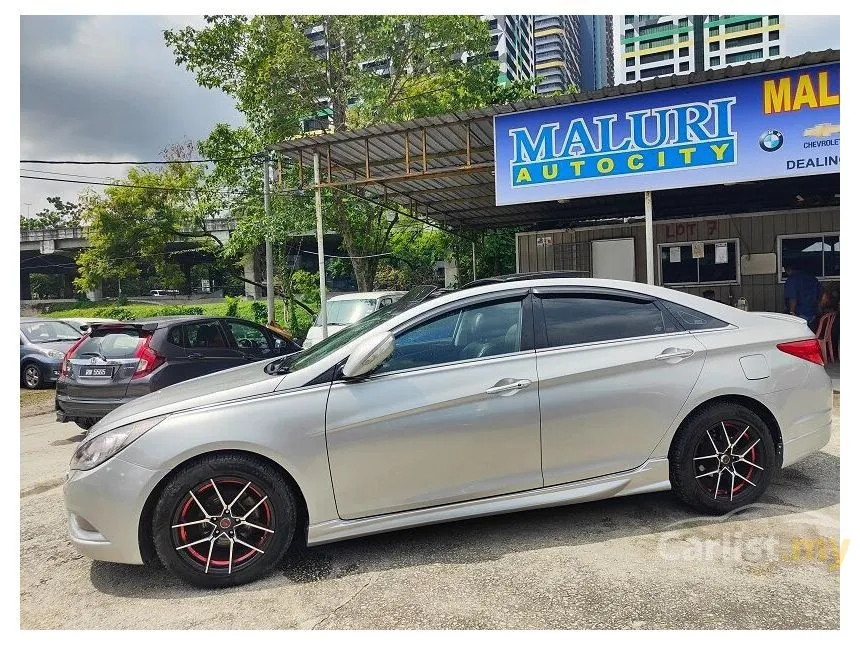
{"x":148,"y":360}
{"x":808,"y":350}
{"x":64,"y":368}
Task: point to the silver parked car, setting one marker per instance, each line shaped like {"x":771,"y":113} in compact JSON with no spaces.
{"x":496,"y":398}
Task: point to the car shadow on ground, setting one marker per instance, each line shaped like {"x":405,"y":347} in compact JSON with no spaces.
{"x":811,"y":485}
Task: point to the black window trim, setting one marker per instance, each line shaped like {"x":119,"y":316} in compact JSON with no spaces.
{"x":542,"y":340}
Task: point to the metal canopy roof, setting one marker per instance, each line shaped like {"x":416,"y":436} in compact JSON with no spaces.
{"x":441,"y":167}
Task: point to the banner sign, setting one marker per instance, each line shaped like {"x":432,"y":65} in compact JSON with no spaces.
{"x":766,"y":126}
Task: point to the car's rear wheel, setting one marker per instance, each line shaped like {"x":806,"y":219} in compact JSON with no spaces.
{"x":31,"y":376}
{"x":723,"y":458}
{"x":224,"y":520}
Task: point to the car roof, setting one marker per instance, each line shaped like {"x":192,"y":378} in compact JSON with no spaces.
{"x":366,"y":295}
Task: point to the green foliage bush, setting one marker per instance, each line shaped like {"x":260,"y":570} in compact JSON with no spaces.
{"x":179,"y":310}
{"x":260,"y":311}
{"x":122,"y":300}
{"x":232,"y":306}
{"x":119,"y":313}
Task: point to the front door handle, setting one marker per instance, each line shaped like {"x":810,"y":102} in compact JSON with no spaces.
{"x":673,"y":352}
{"x":195,"y":355}
{"x":509,"y":386}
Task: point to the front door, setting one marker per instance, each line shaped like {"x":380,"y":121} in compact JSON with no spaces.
{"x":453,"y":415}
{"x":614,"y":373}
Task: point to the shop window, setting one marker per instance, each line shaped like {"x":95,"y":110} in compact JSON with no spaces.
{"x":816,"y":255}
{"x":718,"y":265}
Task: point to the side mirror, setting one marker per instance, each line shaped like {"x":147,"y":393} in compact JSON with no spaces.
{"x":368,"y":355}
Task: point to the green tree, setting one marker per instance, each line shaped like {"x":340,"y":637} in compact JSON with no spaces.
{"x":435,"y":64}
{"x":134,"y":221}
{"x":60,"y":214}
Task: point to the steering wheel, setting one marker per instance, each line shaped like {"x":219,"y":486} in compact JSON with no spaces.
{"x":244,"y":343}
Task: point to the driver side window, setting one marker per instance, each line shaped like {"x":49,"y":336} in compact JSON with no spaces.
{"x":468,"y":333}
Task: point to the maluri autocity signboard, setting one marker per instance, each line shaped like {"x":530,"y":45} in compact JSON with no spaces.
{"x":765,"y":126}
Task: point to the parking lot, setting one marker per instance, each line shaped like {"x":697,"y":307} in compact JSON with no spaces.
{"x":638,"y":562}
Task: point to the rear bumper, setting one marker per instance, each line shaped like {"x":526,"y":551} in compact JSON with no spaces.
{"x":69,"y":408}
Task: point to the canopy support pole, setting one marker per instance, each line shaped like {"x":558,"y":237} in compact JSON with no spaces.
{"x":320,"y":256}
{"x":649,"y":239}
{"x":474,"y":263}
{"x":270,"y":264}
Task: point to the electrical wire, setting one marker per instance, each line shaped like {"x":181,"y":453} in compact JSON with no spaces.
{"x":55,"y":162}
{"x":350,"y":257}
{"x":24,"y":264}
{"x":229,"y":191}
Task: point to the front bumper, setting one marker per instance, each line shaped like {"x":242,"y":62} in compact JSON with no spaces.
{"x":104,"y":507}
{"x":69,"y":409}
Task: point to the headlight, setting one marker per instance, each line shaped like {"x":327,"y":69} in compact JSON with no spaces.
{"x":100,"y":448}
{"x":52,"y":353}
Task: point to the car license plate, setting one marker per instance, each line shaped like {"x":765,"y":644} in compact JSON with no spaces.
{"x":89,"y":370}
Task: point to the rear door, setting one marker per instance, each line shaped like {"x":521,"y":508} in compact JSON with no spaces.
{"x":104,"y":363}
{"x":206,"y":350}
{"x":614,"y":370}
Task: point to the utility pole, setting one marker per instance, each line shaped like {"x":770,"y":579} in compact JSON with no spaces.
{"x":270,"y":266}
{"x":320,"y":256}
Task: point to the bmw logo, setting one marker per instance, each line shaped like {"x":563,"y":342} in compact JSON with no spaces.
{"x":771,"y":140}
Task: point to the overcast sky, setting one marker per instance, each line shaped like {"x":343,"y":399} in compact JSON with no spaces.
{"x":106,"y":88}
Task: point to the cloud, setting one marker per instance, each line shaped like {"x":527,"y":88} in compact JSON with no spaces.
{"x":106,"y":88}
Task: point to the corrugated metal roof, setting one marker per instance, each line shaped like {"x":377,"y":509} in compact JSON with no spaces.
{"x":439,"y":181}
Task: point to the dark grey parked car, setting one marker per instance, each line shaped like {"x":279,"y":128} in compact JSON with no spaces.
{"x":44,"y":342}
{"x":116,"y":363}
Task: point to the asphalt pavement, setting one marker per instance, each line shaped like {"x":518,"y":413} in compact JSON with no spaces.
{"x":644,"y":561}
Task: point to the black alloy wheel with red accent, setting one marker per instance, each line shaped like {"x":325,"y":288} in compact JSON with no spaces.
{"x":722,"y":458}
{"x":224,"y":520}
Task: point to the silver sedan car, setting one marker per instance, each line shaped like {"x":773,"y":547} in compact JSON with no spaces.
{"x":496,"y":398}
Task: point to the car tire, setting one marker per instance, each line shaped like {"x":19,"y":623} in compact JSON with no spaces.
{"x":31,"y":376}
{"x":705,"y":469}
{"x":250,"y":538}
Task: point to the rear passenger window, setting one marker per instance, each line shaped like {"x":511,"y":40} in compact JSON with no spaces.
{"x":574,"y":319}
{"x":174,"y":336}
{"x":692,"y":319}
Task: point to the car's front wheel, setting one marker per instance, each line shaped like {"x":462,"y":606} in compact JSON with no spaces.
{"x":723,"y":458}
{"x":224,"y":520}
{"x":31,"y":376}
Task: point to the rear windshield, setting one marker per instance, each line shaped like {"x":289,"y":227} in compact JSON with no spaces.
{"x":49,"y":331}
{"x":114,"y":343}
{"x":347,"y":312}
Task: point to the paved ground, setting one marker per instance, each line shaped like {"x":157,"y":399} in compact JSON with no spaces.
{"x":643,"y":561}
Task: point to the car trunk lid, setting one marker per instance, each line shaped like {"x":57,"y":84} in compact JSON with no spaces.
{"x":107,"y":359}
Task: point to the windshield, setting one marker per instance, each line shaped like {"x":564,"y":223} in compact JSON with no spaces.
{"x":346,"y":312}
{"x":49,"y":331}
{"x":308,"y":357}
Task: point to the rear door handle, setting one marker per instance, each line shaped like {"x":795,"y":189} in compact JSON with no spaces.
{"x":673,"y":352}
{"x":195,"y":355}
{"x":514,"y":386}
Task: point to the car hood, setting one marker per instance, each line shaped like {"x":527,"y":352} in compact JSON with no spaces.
{"x":60,"y":346}
{"x":227,"y":385}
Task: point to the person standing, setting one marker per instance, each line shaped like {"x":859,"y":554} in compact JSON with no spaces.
{"x":802,"y":292}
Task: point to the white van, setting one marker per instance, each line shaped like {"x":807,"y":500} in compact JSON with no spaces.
{"x":347,"y":309}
